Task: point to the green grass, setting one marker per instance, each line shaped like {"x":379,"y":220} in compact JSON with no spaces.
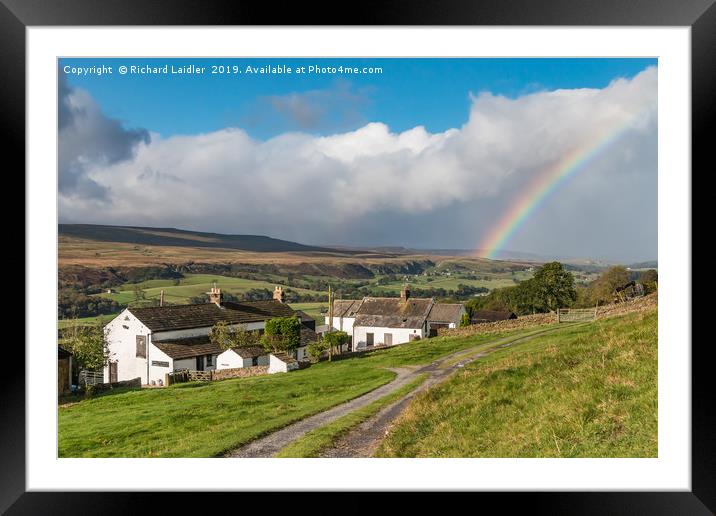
{"x":312,"y":309}
{"x":85,"y":321}
{"x":584,"y":391}
{"x":205,"y":419}
{"x":314,"y":442}
{"x":191,"y":286}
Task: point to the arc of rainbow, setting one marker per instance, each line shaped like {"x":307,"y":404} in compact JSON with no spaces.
{"x":543,"y":186}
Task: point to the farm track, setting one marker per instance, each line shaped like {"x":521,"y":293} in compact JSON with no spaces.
{"x":362,"y":440}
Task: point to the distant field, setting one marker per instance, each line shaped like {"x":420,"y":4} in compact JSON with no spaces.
{"x":191,"y":286}
{"x":312,"y":309}
{"x":452,"y":282}
{"x":98,"y":319}
{"x":586,"y":391}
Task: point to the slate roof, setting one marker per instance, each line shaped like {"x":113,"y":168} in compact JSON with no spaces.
{"x":445,"y":312}
{"x":307,"y":335}
{"x":304,"y":316}
{"x":491,"y":316}
{"x":346,"y":307}
{"x":249,"y":351}
{"x":180,"y":317}
{"x":283,"y":357}
{"x":392,"y":312}
{"x":188,"y":347}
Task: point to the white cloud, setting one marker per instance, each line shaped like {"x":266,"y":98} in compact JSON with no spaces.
{"x":315,"y":188}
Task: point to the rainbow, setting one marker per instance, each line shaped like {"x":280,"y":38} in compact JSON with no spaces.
{"x":544,"y":184}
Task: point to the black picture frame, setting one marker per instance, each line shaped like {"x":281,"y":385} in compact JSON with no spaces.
{"x":700,"y":15}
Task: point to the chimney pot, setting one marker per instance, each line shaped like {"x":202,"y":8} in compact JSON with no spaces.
{"x":279,"y":295}
{"x":215,"y":295}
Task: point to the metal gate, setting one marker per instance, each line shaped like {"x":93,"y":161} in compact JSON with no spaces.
{"x":576,"y":314}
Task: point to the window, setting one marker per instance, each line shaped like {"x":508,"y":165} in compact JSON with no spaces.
{"x":141,"y":346}
{"x":209,"y":360}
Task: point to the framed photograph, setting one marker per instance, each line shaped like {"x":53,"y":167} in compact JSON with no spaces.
{"x":422,"y":252}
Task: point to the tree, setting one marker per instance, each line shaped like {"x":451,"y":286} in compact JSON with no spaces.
{"x":649,"y":279}
{"x":336,"y":340}
{"x":465,"y":320}
{"x":282,"y":334}
{"x":221,"y":335}
{"x":603,"y":288}
{"x":316,"y":349}
{"x":551,"y":287}
{"x":226,"y":337}
{"x":88,"y":345}
{"x":138,"y":293}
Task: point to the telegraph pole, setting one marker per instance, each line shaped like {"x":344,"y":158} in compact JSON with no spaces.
{"x":330,"y":320}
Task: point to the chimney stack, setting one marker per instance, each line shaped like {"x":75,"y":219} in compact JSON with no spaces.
{"x":405,"y":293}
{"x":215,"y":295}
{"x":279,"y":295}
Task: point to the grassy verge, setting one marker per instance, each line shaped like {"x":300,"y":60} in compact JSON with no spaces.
{"x":584,"y":391}
{"x":315,"y":441}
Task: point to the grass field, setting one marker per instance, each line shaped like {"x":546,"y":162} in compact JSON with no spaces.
{"x":191,"y":286}
{"x":205,"y":419}
{"x":586,"y":391}
{"x":312,"y":309}
{"x":452,"y":282}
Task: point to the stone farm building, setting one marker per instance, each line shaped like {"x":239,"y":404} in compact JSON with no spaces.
{"x":387,"y":321}
{"x":150,"y":342}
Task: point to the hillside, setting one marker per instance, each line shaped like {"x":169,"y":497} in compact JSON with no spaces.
{"x":179,"y":237}
{"x":587,"y":391}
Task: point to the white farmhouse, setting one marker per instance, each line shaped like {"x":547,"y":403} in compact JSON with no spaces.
{"x":344,"y":314}
{"x":387,"y":321}
{"x":150,"y":342}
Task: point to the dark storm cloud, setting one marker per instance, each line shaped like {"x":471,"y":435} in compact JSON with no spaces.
{"x":87,"y":138}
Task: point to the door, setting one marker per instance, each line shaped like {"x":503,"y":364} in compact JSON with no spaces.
{"x":368,"y":339}
{"x":112,"y":372}
{"x":388,"y":339}
{"x":200,"y":363}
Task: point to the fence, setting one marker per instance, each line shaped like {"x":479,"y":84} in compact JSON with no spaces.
{"x":91,"y":377}
{"x":576,"y":314}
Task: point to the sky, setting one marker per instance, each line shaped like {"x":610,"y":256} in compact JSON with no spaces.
{"x":421,"y":153}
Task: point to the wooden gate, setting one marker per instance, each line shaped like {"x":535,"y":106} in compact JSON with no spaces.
{"x":576,"y":314}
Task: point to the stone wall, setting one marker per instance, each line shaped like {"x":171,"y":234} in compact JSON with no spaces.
{"x":238,"y":372}
{"x":135,"y":383}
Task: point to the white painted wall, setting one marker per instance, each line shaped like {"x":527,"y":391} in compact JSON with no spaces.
{"x":157,"y":355}
{"x":229,"y":359}
{"x":400,"y":335}
{"x":276,"y":365}
{"x":122,"y":334}
{"x":343,"y":323}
